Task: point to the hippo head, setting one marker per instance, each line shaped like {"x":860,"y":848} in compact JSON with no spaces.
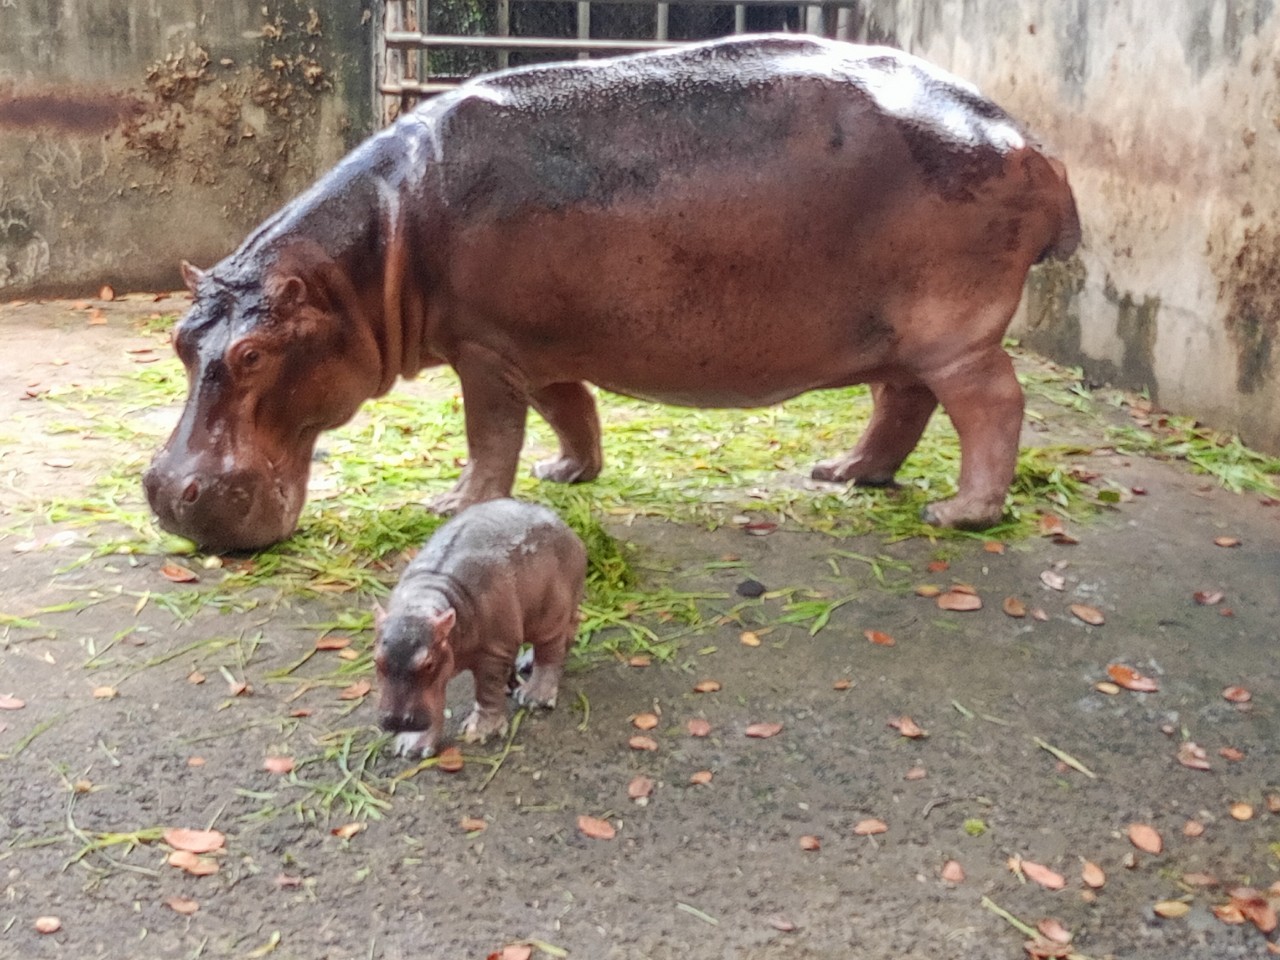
{"x":415,"y":661}
{"x":272,"y":359}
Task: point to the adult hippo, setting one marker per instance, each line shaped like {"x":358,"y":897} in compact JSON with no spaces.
{"x":727,"y":224}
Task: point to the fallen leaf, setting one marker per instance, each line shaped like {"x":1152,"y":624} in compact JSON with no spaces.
{"x":1171,"y":909}
{"x":639,"y":661}
{"x":333,"y":643}
{"x":48,"y":924}
{"x":596,"y":828}
{"x":472,"y":824}
{"x":749,"y":638}
{"x":1038,"y":873}
{"x":842,"y":684}
{"x":928,"y":590}
{"x":195,"y":841}
{"x":952,"y":872}
{"x":907,"y":727}
{"x":915,"y":773}
{"x":993,"y":546}
{"x":195,"y":677}
{"x":1233,"y":754}
{"x":1131,"y":679}
{"x":357,"y":690}
{"x":810,"y":842}
{"x":702,"y":778}
{"x":698,"y":727}
{"x":1092,"y":875}
{"x":1193,"y":828}
{"x":239,"y":688}
{"x":937,"y":566}
{"x":1051,"y":525}
{"x":1237,"y":694}
{"x":1208,"y":598}
{"x":105,"y":292}
{"x":869,"y":827}
{"x":450,"y":760}
{"x":1145,"y":838}
{"x":183,"y":905}
{"x":278,"y":764}
{"x":193,"y":863}
{"x":347,"y":830}
{"x":782,"y":924}
{"x":1052,"y":930}
{"x":639,"y":788}
{"x":706,"y":686}
{"x":879,"y":638}
{"x":1013,"y":607}
{"x":1090,"y":615}
{"x":516,"y":951}
{"x":1273,"y":802}
{"x":644,"y":721}
{"x":195,"y":761}
{"x":1107,"y":687}
{"x":1039,"y":614}
{"x":958,"y":601}
{"x":1199,"y":879}
{"x":177,"y":573}
{"x":1193,"y":756}
{"x":1227,"y":541}
{"x":1053,"y":580}
{"x":300,"y":712}
{"x":286,"y":882}
{"x":1255,"y":908}
{"x":105,"y":693}
{"x":1229,"y":913}
{"x":762,"y":731}
{"x":642,"y":743}
{"x":1241,"y":812}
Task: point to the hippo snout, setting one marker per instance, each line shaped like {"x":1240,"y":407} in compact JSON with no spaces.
{"x":403,"y":721}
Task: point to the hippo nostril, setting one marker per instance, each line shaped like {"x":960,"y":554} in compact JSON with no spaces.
{"x":191,"y":492}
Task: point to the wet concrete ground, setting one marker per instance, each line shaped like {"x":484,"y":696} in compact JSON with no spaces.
{"x":716,"y":869}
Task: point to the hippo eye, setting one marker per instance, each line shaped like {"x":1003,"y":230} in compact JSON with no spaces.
{"x":245,"y":356}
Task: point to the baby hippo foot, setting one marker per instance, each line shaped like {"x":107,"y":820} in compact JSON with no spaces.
{"x":540,"y":690}
{"x":415,"y":743}
{"x":963,"y":513}
{"x":849,"y":468}
{"x":566,"y":470}
{"x":480,"y":726}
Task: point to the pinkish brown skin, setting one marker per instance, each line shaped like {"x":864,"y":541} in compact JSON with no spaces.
{"x":498,"y":575}
{"x":727,"y":224}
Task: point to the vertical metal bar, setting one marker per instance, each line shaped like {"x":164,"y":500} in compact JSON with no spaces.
{"x":584,"y":25}
{"x":663,"y":19}
{"x":504,"y":30}
{"x":422,"y":65}
{"x":739,"y":18}
{"x":813,"y":20}
{"x":844,"y":21}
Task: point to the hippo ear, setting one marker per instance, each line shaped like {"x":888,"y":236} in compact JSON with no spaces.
{"x":287,"y":293}
{"x":191,"y":276}
{"x":442,"y":624}
{"x":379,"y":616}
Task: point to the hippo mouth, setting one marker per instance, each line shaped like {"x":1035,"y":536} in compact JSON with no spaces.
{"x":239,"y":510}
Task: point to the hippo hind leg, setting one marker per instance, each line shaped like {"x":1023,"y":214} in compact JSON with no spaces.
{"x":898,"y":418}
{"x":984,"y":400}
{"x":571,"y":411}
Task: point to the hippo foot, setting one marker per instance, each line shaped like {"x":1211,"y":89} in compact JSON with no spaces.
{"x":480,"y":726}
{"x":962,"y":515}
{"x":542,"y":696}
{"x":847,"y":469}
{"x":565,"y":470}
{"x":414,"y":744}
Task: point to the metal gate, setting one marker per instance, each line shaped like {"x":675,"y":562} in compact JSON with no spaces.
{"x":427,"y":46}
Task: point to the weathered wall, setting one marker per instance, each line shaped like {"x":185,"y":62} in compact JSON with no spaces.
{"x":135,"y":132}
{"x":1167,"y":114}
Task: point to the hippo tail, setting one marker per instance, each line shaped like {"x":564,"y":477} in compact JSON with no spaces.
{"x":1067,"y":236}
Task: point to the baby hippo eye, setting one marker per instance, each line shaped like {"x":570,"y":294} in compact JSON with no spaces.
{"x":245,"y":356}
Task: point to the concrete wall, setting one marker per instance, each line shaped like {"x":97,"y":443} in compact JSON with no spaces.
{"x":1167,"y":114}
{"x":135,"y":132}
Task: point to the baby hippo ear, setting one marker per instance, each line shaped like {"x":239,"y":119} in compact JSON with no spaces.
{"x":442,"y":624}
{"x":286,"y":293}
{"x":191,"y":276}
{"x":379,"y":617}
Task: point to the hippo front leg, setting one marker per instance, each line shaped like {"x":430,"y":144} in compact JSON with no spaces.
{"x":984,"y":400}
{"x":571,"y":411}
{"x":494,"y":408}
{"x":898,"y":418}
{"x":489,"y":716}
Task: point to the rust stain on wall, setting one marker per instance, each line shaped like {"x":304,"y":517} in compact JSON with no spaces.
{"x":1250,"y":285}
{"x":66,"y":111}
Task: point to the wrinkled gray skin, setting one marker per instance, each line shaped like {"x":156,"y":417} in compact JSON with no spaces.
{"x":727,"y":224}
{"x":499,"y":574}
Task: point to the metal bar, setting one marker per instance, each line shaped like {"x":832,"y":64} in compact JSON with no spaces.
{"x":740,"y":18}
{"x":584,"y":25}
{"x":662,"y":18}
{"x":410,"y":41}
{"x":504,"y":30}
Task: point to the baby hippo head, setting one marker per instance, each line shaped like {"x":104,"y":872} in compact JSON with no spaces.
{"x":414,"y":659}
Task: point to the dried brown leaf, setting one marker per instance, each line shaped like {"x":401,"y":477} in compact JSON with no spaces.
{"x":1013,"y":607}
{"x":645,"y":721}
{"x":702,"y":778}
{"x":915,"y":773}
{"x":958,"y":601}
{"x":1053,"y":580}
{"x":810,"y":842}
{"x":879,"y":638}
{"x":641,"y":742}
{"x":1241,"y":811}
{"x":450,"y":760}
{"x":11,"y":703}
{"x":1193,"y":756}
{"x":356,"y":691}
{"x":953,"y":872}
{"x":1209,"y":598}
{"x":1146,"y":838}
{"x":928,"y":590}
{"x":762,"y":731}
{"x":698,"y":727}
{"x":706,"y":686}
{"x":333,"y":643}
{"x":177,"y":573}
{"x":1053,"y":930}
{"x":869,"y":827}
{"x":48,"y":925}
{"x":596,"y":828}
{"x":1090,"y":615}
{"x":195,"y":841}
{"x":639,"y":787}
{"x":907,"y":727}
{"x":1237,"y":694}
{"x":1131,"y":679}
{"x":193,"y":863}
{"x":1038,"y":873}
{"x":1227,"y":541}
{"x":1193,"y":828}
{"x":183,"y":905}
{"x":472,"y":824}
{"x":1093,"y":875}
{"x":348,"y":830}
{"x":278,"y":764}
{"x":1171,"y":909}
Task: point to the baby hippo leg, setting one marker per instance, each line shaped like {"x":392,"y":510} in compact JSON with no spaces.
{"x":417,"y":743}
{"x":543,"y":685}
{"x":489,"y":716}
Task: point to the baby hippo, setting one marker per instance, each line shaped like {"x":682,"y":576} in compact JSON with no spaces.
{"x":497,"y":575}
